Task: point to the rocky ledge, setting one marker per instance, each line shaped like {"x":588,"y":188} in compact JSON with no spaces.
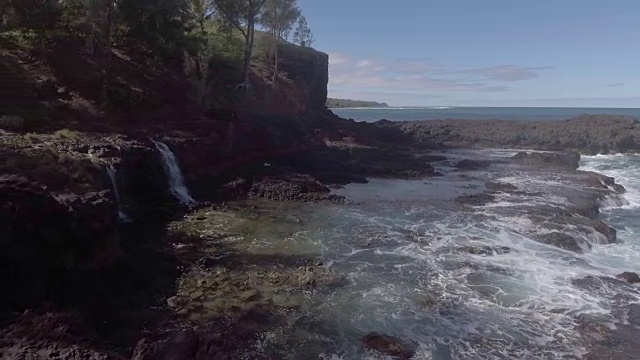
{"x":587,"y":134}
{"x":566,"y":222}
{"x":64,"y":192}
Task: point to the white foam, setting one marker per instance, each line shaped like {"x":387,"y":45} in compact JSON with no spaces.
{"x":625,"y":169}
{"x":519,"y":304}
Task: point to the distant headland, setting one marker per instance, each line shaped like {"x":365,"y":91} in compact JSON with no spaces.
{"x":348,"y":103}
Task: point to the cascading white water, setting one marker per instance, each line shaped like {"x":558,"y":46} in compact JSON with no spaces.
{"x":111,"y":171}
{"x":174,"y":175}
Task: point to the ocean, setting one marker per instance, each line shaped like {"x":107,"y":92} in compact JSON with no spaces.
{"x":476,"y":113}
{"x":404,"y":251}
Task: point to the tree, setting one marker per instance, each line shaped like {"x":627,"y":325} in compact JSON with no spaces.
{"x":242,"y":15}
{"x":303,"y":36}
{"x":278,"y":17}
{"x":37,"y":15}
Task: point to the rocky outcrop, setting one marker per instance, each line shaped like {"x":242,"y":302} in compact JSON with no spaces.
{"x":485,"y":250}
{"x":559,"y":160}
{"x":475,"y":199}
{"x":630,"y":277}
{"x":587,"y":134}
{"x":389,"y":345}
{"x":295,"y":187}
{"x":46,"y":237}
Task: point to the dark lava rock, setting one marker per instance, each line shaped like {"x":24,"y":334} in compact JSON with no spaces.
{"x":500,"y":187}
{"x":630,"y":277}
{"x":565,"y":241}
{"x":389,"y":345}
{"x":296,"y":187}
{"x":600,"y":181}
{"x":590,"y":134}
{"x":469,"y":164}
{"x":236,"y":188}
{"x":185,"y":345}
{"x":475,"y":199}
{"x":606,"y":230}
{"x":49,"y":335}
{"x":485,"y":250}
{"x":562,"y":160}
{"x":606,"y":287}
{"x":44,"y":235}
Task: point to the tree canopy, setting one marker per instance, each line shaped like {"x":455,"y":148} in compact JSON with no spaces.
{"x":348,"y":103}
{"x":162,"y":27}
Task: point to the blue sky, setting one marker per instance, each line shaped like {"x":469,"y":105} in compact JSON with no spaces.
{"x":481,"y":52}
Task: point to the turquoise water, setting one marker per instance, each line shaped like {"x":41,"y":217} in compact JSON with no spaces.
{"x":477,"y":113}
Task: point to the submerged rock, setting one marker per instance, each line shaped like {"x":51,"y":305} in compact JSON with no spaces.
{"x":630,"y":277}
{"x":389,"y":345}
{"x":469,"y":164}
{"x":475,"y":199}
{"x":500,"y":186}
{"x":565,"y":241}
{"x":485,"y":250}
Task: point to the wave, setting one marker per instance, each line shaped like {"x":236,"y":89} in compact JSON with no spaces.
{"x":625,"y":169}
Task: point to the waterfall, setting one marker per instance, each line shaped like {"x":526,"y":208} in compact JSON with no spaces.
{"x":114,"y":184}
{"x":174,"y":175}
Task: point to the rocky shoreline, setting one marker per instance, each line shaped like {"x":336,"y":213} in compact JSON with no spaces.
{"x":59,"y":198}
{"x":587,"y":134}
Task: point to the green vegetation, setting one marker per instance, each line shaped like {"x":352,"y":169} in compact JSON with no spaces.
{"x":195,"y":29}
{"x":347,"y":103}
{"x":303,"y":36}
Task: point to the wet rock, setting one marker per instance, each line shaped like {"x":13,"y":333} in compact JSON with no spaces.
{"x":43,"y":234}
{"x":609,"y":233}
{"x":469,"y":164}
{"x":196,"y":295}
{"x":561,"y":160}
{"x":475,"y":199}
{"x":590,"y":134}
{"x":429,"y":301}
{"x":565,"y":241}
{"x":485,"y":250}
{"x":173,"y":301}
{"x":250,"y":295}
{"x":630,"y":277}
{"x":389,"y":345}
{"x":500,"y":186}
{"x":296,"y":187}
{"x":286,"y":301}
{"x":611,"y":289}
{"x":236,"y":188}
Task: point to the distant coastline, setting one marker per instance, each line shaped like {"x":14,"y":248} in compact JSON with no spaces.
{"x":348,"y":103}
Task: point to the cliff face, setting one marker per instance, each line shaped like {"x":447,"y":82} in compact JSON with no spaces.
{"x":300,"y":88}
{"x":309,"y":71}
{"x":67,"y":171}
